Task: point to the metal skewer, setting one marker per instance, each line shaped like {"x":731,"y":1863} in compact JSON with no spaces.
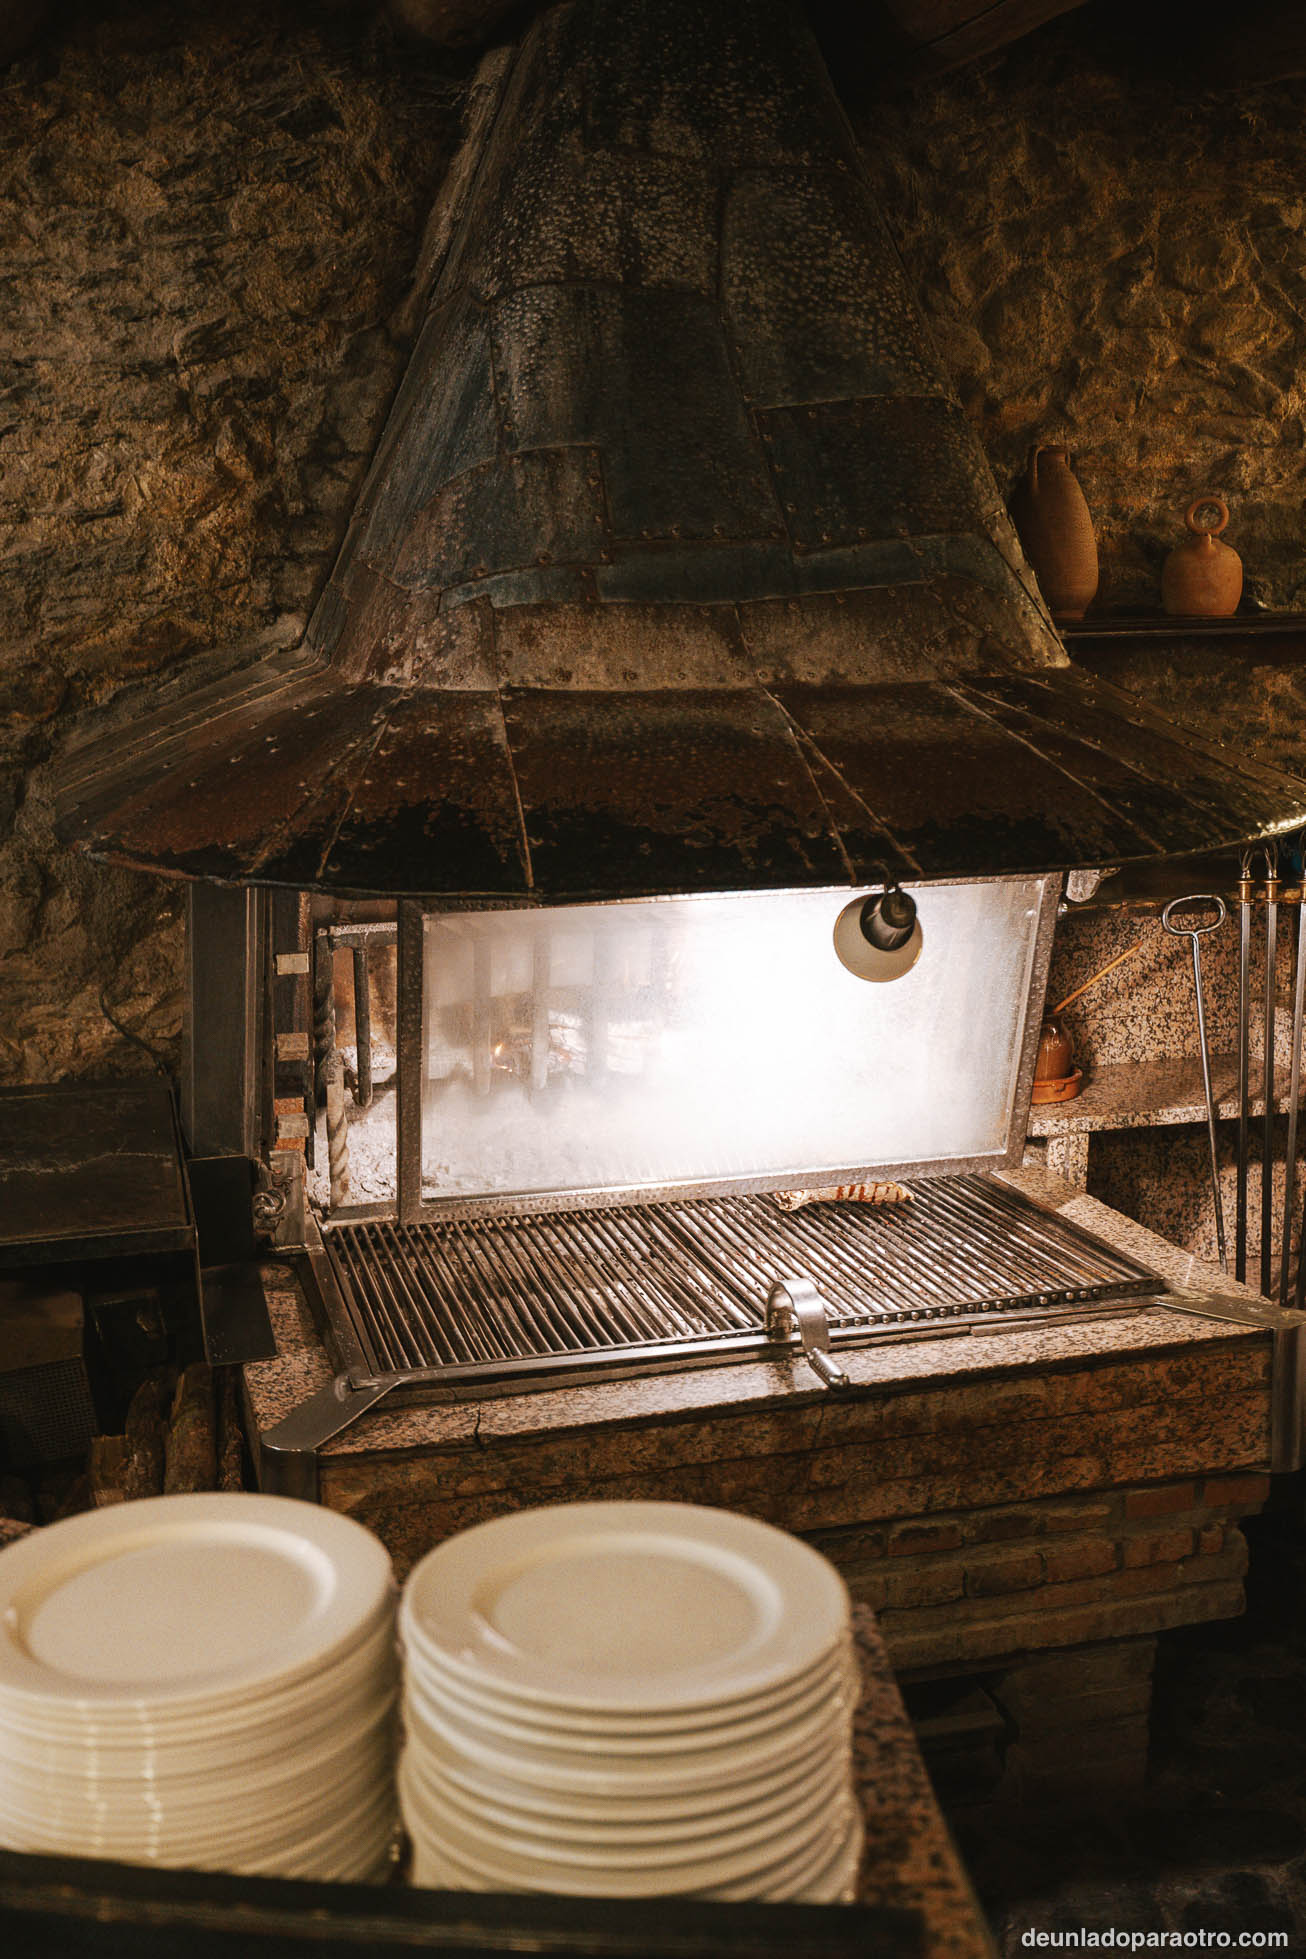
{"x":1196,"y":933}
{"x":1294,"y":1091}
{"x":1245,"y":890}
{"x":1267,"y":1144}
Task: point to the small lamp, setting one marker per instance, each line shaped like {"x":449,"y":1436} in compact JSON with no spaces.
{"x":879,"y":937}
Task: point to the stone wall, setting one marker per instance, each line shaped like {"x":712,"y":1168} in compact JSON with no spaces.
{"x":1110,"y":256}
{"x":209,"y":219}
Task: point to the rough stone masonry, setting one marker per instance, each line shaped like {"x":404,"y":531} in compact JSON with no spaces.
{"x":209,"y":219}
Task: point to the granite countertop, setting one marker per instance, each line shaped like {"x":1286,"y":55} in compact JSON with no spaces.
{"x":1149,"y":1094}
{"x":909,"y":1859}
{"x":276,"y":1387}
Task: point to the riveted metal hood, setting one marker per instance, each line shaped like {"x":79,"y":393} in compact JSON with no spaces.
{"x":678,"y":567}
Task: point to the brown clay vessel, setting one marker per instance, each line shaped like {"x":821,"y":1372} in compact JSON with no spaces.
{"x":1055,"y":527}
{"x":1055,"y":1055}
{"x":1202,"y":578}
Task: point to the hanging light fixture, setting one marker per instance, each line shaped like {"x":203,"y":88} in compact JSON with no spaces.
{"x":879,"y":937}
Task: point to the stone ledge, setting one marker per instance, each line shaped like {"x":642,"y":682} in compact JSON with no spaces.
{"x":993,"y":1641}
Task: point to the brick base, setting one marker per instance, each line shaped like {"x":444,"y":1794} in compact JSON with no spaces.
{"x":970,"y":1587}
{"x":1063,"y":1728}
{"x":1078,"y":1722}
{"x":1051,"y":1608}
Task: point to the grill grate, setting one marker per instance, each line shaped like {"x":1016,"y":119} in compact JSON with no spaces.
{"x":539,"y":1295}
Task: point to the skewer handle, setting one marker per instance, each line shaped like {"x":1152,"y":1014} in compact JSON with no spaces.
{"x":1101,"y":973}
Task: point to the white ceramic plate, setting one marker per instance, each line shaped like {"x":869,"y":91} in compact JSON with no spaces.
{"x":551,"y":1768}
{"x":262,"y":1832}
{"x":259,"y":1725}
{"x":632,"y":1607}
{"x":792,"y":1796}
{"x":793,"y":1772}
{"x":788,"y":1881}
{"x":676,"y":1846}
{"x":837,"y":1883}
{"x":161,"y":1750}
{"x":835,"y":1685}
{"x":183,"y":1602}
{"x":420,"y":1657}
{"x":803,"y":1851}
{"x":363,"y":1760}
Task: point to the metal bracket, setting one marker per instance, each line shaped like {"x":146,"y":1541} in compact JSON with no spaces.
{"x":288,"y":1450}
{"x":1288,"y":1361}
{"x":795,"y":1306}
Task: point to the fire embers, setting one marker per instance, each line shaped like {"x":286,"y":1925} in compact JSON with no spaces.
{"x":878,"y":1193}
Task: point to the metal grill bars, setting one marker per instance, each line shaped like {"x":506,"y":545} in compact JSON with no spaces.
{"x":682,"y":1280}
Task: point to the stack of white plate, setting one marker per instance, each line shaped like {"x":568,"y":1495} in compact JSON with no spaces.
{"x":201,"y":1681}
{"x":630,"y":1699}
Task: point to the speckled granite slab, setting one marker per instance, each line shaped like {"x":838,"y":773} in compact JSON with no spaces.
{"x":910,"y":1859}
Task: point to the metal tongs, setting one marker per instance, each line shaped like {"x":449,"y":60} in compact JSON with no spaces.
{"x":1196,"y":933}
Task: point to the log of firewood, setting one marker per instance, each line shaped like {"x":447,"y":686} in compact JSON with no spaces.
{"x":144,"y":1435}
{"x":231,"y":1438}
{"x":71,"y":1499}
{"x":15,"y":1500}
{"x":108,"y":1470}
{"x":190,"y":1450}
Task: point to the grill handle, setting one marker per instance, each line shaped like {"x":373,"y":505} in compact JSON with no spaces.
{"x":795,"y":1306}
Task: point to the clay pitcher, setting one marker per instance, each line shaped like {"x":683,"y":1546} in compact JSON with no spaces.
{"x":1056,"y":1057}
{"x":1055,"y":527}
{"x":1202,"y":578}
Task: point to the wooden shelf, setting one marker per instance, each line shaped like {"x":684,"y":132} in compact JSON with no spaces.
{"x":1164,"y":625}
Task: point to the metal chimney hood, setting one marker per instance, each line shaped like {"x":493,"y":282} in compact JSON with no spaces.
{"x":678,"y":568}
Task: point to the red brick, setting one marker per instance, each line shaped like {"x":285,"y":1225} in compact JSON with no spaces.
{"x":1083,"y":1559}
{"x":928,"y":1587}
{"x":909,"y":1539}
{"x":1160,"y":1499}
{"x":1162,"y":1548}
{"x":914,"y":1645}
{"x":997,"y":1526}
{"x":1076,"y":1516}
{"x":870,"y":1589}
{"x":1016,"y":1572}
{"x":1224,"y":1491}
{"x":1211,"y":1539}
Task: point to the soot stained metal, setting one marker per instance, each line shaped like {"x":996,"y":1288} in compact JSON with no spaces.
{"x":678,"y":567}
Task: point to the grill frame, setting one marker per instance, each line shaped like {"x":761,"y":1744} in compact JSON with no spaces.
{"x":412,"y":1036}
{"x":705,"y":1267}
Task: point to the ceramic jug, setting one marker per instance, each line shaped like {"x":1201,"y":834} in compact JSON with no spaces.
{"x":1055,"y":527}
{"x":1203,"y":578}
